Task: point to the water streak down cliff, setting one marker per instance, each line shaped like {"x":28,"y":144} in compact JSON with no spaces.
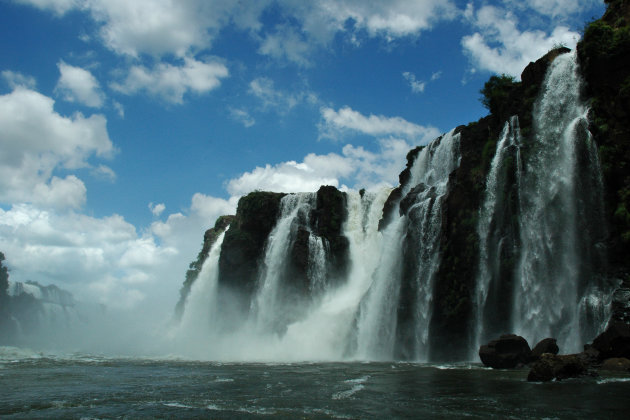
{"x":496,"y":227}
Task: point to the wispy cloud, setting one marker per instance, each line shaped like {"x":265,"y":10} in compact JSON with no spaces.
{"x":336,"y":124}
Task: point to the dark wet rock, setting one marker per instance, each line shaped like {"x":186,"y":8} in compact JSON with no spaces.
{"x":508,"y":352}
{"x":619,"y":364}
{"x":590,"y":355}
{"x":547,"y":345}
{"x":621,"y":303}
{"x":614,"y":342}
{"x":534,"y":73}
{"x":194,"y":268}
{"x":411,"y":197}
{"x":551,"y":366}
{"x":244,"y":243}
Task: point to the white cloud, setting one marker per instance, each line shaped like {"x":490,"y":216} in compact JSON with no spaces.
{"x":16,"y":79}
{"x":285,"y":177}
{"x":181,"y":28}
{"x":337,"y":123}
{"x":79,"y":85}
{"x":242,"y":116}
{"x":172,"y":82}
{"x":59,"y":7}
{"x":106,"y":259}
{"x":560,"y":9}
{"x":286,"y":44}
{"x":156,"y":27}
{"x":104,"y":172}
{"x":120,"y":109}
{"x":355,"y":167}
{"x":389,"y":19}
{"x":35,"y":140}
{"x":157,"y":209}
{"x":500,"y":47}
{"x":417,"y":86}
{"x":263,"y":88}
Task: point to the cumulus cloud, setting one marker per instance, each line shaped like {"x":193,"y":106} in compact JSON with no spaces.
{"x":15,"y":79}
{"x":164,"y":27}
{"x":157,"y":209}
{"x":500,"y":47}
{"x":284,"y":177}
{"x":172,"y":82}
{"x":36,"y":140}
{"x":156,"y":27}
{"x":355,"y":167}
{"x":346,"y":120}
{"x":79,"y":85}
{"x":106,"y":259}
{"x":389,"y":19}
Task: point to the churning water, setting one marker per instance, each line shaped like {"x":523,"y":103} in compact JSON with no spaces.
{"x":92,"y":387}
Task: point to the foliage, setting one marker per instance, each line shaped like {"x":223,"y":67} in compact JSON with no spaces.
{"x":497,"y":92}
{"x":604,"y":54}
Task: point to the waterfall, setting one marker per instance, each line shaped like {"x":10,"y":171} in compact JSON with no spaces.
{"x":396,"y":312}
{"x":200,"y":317}
{"x":540,"y":234}
{"x":498,"y":236}
{"x":328,"y":332}
{"x":541,"y":222}
{"x":279,"y":299}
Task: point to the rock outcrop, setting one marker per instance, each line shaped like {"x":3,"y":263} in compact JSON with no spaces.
{"x":209,"y":238}
{"x":551,"y":366}
{"x":614,"y":342}
{"x":507,"y":352}
{"x":547,"y":345}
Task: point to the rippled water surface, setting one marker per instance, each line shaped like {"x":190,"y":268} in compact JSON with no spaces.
{"x":37,"y":386}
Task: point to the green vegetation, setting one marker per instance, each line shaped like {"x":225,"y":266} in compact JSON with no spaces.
{"x":604,"y":54}
{"x":497,"y":93}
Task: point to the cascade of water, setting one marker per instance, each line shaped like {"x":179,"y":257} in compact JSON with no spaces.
{"x":271,"y":311}
{"x":200,"y":316}
{"x":409,"y":259}
{"x":327,"y":331}
{"x":498,"y":236}
{"x":554,"y":274}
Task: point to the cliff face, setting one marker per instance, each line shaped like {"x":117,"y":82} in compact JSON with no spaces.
{"x":209,"y":238}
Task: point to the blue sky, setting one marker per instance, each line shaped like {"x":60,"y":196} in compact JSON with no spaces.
{"x":127,"y":127}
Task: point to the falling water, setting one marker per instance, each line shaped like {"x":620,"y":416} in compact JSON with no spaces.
{"x":409,"y":261}
{"x":275,"y":307}
{"x":555,"y":270}
{"x":498,"y":236}
{"x":200,"y":317}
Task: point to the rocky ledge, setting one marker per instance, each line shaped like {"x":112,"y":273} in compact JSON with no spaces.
{"x":610,"y":351}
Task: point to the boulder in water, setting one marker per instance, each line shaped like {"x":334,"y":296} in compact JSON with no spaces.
{"x":547,"y":345}
{"x":508,"y":352}
{"x":614,"y":342}
{"x":619,"y":364}
{"x":551,"y":366}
